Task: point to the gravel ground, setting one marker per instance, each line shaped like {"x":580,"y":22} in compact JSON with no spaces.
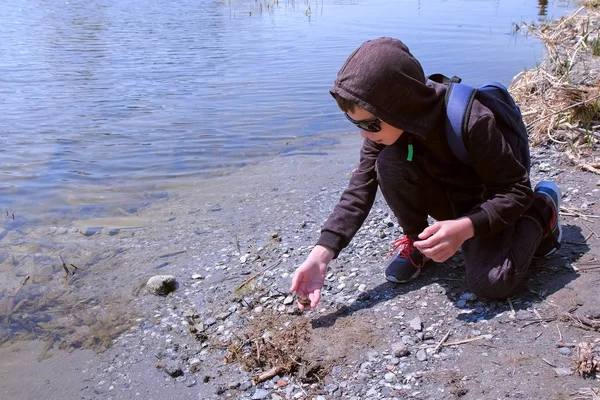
{"x":230,"y":329}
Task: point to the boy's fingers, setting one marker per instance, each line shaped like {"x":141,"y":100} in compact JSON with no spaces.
{"x":314,"y":298}
{"x":295,"y":282}
{"x":427,"y":243}
{"x":429,"y":231}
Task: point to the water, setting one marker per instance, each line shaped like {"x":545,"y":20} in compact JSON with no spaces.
{"x":107,"y":105}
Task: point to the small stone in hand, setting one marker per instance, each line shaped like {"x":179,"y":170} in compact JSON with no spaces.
{"x":304,"y":300}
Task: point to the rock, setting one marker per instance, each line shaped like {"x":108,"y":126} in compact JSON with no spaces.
{"x":192,"y":382}
{"x":408,"y":340}
{"x":362,"y":287}
{"x":173,"y":370}
{"x":421,"y":355}
{"x":194,"y":365}
{"x":564,"y":351}
{"x":161,"y":285}
{"x":223,"y":316}
{"x":563,"y":371}
{"x":197,"y":276}
{"x":288,"y":300}
{"x":320,"y":398}
{"x":461,"y":303}
{"x":245,"y":385}
{"x":210,"y":321}
{"x":282,"y":383}
{"x":372,"y":392}
{"x":261,"y":394}
{"x":400,"y":349}
{"x":332,"y":387}
{"x":372,"y":356}
{"x":416,"y":324}
{"x":468,"y":296}
{"x":389,"y":377}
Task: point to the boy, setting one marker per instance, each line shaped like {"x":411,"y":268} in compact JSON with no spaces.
{"x":488,"y":208}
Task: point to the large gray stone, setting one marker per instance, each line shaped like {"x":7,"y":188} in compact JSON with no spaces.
{"x":161,"y":285}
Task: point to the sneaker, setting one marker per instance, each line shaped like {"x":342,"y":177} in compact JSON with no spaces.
{"x":407,"y":261}
{"x":547,"y":198}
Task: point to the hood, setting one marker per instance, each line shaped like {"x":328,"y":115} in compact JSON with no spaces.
{"x":384,"y":78}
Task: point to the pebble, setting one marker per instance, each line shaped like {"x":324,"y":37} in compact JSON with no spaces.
{"x":461,"y":303}
{"x":197,"y":276}
{"x":191,"y":383}
{"x":564,"y":351}
{"x":362,"y":287}
{"x":245,"y":385}
{"x":261,"y":394}
{"x":389,"y":377}
{"x":563,"y":371}
{"x":161,"y":285}
{"x":416,"y":324}
{"x":222,"y":316}
{"x":545,"y":167}
{"x":288,"y":300}
{"x":282,"y":383}
{"x":421,"y":355}
{"x":408,"y":340}
{"x":372,"y":356}
{"x":173,"y":370}
{"x":330,"y":388}
{"x":468,"y":296}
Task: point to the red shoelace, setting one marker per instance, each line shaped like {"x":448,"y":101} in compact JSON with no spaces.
{"x":407,"y":249}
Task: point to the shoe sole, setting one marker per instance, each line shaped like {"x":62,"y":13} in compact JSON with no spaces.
{"x":394,"y":280}
{"x":548,"y":199}
{"x":554,"y":250}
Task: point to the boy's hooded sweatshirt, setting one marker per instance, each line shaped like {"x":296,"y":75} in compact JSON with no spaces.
{"x":384,"y":78}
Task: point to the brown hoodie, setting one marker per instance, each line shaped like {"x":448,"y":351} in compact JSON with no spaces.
{"x":384,"y":78}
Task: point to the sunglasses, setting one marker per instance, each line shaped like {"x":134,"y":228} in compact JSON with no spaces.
{"x":369,"y":125}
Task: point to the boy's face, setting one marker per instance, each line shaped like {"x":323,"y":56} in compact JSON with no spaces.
{"x":387,"y":135}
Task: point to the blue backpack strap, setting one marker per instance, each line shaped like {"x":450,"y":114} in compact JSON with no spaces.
{"x":459,"y":100}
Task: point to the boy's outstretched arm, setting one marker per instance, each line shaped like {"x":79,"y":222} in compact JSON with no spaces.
{"x":309,"y":277}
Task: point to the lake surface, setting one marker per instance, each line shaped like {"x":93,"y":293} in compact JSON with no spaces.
{"x":109,"y":104}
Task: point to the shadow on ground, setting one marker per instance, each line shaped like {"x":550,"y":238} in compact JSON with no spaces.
{"x":547,"y":276}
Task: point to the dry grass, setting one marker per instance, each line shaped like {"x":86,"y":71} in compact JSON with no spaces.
{"x":560,"y":99}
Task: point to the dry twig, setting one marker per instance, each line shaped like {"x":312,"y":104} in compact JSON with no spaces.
{"x":469,"y":340}
{"x":437,"y":348}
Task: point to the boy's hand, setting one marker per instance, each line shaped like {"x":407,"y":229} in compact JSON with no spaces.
{"x":441,"y":240}
{"x":310,"y":276}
